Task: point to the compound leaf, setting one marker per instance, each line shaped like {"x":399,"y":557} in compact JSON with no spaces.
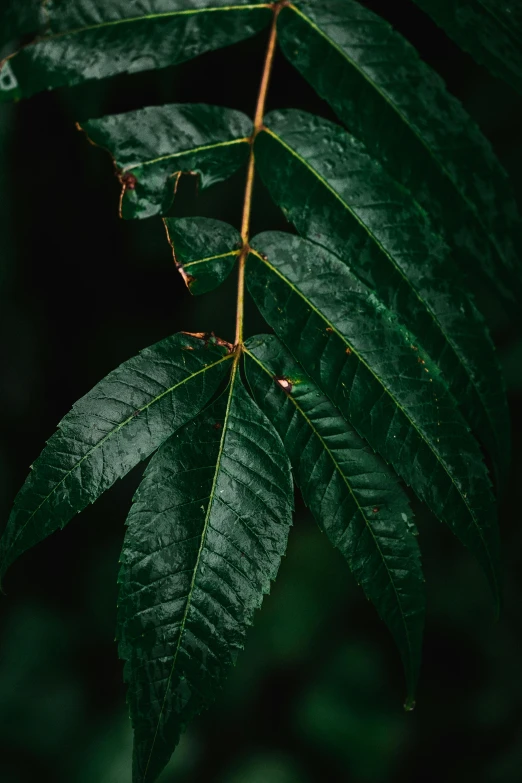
{"x":339,"y":197}
{"x":120,"y":422}
{"x":95,"y":39}
{"x":368,"y":364}
{"x":205,"y":537}
{"x":205,"y":251}
{"x":378,"y":86}
{"x":355,"y":498}
{"x":490,"y":30}
{"x":152,"y":147}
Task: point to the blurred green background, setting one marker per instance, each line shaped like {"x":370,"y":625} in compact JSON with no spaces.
{"x":318,"y":692}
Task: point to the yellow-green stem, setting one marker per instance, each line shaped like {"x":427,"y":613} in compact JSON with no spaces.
{"x":249,"y":188}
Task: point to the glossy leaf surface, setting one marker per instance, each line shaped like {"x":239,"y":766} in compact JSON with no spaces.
{"x":369,"y":367}
{"x":377,"y":84}
{"x":205,"y":251}
{"x":355,"y":498}
{"x":95,"y":39}
{"x":120,"y":422}
{"x":490,"y":30}
{"x":152,"y":147}
{"x":339,"y":197}
{"x":205,"y":538}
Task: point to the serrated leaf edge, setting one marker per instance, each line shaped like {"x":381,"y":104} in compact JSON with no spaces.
{"x":196,"y":565}
{"x":359,"y":509}
{"x":462,"y":362}
{"x":104,"y":440}
{"x":397,"y":403}
{"x":491,"y":238}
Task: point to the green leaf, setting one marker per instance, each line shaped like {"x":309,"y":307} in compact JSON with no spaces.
{"x":205,"y":251}
{"x":377,"y":84}
{"x":490,"y":30}
{"x":205,"y":537}
{"x":368,"y":365}
{"x":339,"y":197}
{"x":120,"y":422}
{"x":95,"y":39}
{"x":152,"y":147}
{"x":355,"y":498}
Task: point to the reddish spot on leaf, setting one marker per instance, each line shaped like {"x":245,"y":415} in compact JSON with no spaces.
{"x":129,"y":180}
{"x":188,"y":347}
{"x":348,"y":351}
{"x":136,"y":413}
{"x":217,"y":425}
{"x":375,"y":510}
{"x":209,"y":338}
{"x":284,"y":383}
{"x":329,"y":329}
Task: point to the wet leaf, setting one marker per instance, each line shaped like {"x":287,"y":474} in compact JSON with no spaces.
{"x":205,"y":251}
{"x":205,"y":537}
{"x":152,"y":147}
{"x":387,"y":97}
{"x":95,"y":39}
{"x":367,"y":364}
{"x":355,"y":498}
{"x":120,"y":422}
{"x":339,"y":197}
{"x":386,"y":360}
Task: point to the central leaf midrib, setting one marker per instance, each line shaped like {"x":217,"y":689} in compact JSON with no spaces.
{"x":148,"y":17}
{"x":105,"y":439}
{"x":210,"y":259}
{"x":488,"y":233}
{"x":423,"y":436}
{"x":390,"y":257}
{"x":198,"y":558}
{"x":189,"y":151}
{"x":355,"y":500}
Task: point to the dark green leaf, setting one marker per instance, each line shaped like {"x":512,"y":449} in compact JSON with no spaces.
{"x":374,"y":80}
{"x":205,"y":537}
{"x":205,"y":251}
{"x":94,"y":39}
{"x":338,"y":196}
{"x":152,"y":147}
{"x":369,"y":366}
{"x":353,"y":495}
{"x":490,"y":30}
{"x":116,"y":425}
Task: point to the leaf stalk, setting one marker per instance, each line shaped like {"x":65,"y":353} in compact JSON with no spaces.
{"x":249,"y":187}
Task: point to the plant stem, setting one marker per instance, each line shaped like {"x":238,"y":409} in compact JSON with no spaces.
{"x":247,"y":204}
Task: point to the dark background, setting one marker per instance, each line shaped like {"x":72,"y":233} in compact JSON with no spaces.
{"x":317,"y":694}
